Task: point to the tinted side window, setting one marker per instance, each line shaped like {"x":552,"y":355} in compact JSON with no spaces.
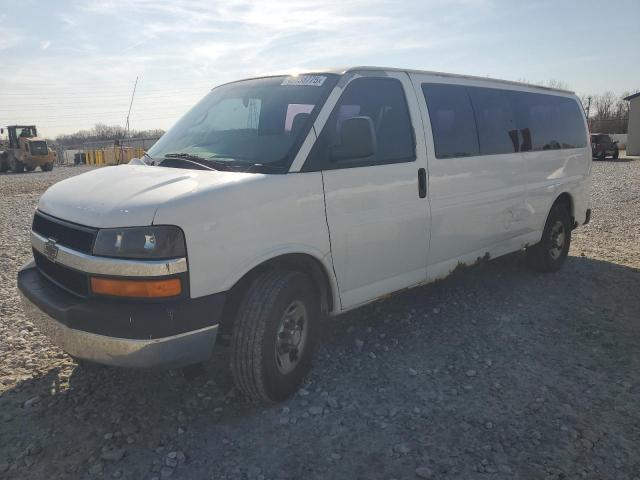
{"x":497,"y":130}
{"x":574,"y":134}
{"x":452,"y":121}
{"x":384,"y":102}
{"x":548,"y":122}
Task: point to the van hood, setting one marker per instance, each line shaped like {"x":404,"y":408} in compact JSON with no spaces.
{"x":127,"y":195}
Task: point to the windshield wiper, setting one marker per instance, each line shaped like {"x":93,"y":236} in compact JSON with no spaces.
{"x":189,"y":158}
{"x":151,"y":160}
{"x":215,"y":162}
{"x":185,"y":156}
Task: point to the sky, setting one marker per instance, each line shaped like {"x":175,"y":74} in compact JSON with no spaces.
{"x":67,"y":65}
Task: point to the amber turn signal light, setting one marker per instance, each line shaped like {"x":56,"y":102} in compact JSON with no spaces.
{"x":169,"y":287}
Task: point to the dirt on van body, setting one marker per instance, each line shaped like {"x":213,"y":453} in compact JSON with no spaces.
{"x":496,"y":372}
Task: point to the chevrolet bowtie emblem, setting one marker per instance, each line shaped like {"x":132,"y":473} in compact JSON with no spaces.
{"x":51,"y":249}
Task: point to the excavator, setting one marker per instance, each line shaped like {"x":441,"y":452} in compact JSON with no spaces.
{"x":24,"y":150}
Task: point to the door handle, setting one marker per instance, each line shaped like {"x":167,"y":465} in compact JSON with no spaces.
{"x":422,"y":182}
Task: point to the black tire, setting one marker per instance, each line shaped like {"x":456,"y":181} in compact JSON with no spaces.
{"x":548,"y":255}
{"x":615,"y":155}
{"x":47,"y":167}
{"x":257,"y":368}
{"x":18,"y":166}
{"x":602,"y":156}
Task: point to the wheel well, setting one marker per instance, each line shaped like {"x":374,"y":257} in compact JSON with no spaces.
{"x":293,"y":261}
{"x":566,"y":200}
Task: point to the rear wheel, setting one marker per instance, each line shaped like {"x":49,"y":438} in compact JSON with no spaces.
{"x":47,"y":167}
{"x":550,"y":254}
{"x":274,"y":335}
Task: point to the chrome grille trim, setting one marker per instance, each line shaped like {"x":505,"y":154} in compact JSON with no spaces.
{"x":110,"y":266}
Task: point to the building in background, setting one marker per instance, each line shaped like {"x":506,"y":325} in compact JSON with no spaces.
{"x":633,"y":131}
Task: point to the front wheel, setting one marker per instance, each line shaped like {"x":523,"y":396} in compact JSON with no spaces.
{"x":47,"y":167}
{"x":274,"y":335}
{"x":549,"y":255}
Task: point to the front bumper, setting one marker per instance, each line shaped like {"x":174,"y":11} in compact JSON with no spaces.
{"x":120,"y":332}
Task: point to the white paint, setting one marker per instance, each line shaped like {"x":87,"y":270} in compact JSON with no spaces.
{"x":367,"y":226}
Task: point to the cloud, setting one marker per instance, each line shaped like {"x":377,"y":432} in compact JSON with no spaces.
{"x":189,"y":46}
{"x":9,"y":36}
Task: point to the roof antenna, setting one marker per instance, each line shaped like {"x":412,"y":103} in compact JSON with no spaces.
{"x":126,"y":130}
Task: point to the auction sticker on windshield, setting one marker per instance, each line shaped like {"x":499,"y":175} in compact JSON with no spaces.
{"x":305,"y":80}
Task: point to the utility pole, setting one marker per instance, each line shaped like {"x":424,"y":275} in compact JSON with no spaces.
{"x":588,"y":109}
{"x":126,"y":130}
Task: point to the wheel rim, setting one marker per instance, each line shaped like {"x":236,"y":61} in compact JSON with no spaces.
{"x":558,"y":238}
{"x":291,"y":337}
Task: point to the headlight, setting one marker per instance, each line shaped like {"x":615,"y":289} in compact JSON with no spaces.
{"x":160,"y":242}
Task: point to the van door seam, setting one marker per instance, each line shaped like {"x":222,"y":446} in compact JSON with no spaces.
{"x":326,"y":219}
{"x":421,"y":116}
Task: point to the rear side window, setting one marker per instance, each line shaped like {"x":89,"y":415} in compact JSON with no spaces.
{"x":452,"y":121}
{"x":548,"y":122}
{"x":384,"y":102}
{"x":497,"y":129}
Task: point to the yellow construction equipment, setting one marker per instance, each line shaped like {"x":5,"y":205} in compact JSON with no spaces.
{"x":25,"y":150}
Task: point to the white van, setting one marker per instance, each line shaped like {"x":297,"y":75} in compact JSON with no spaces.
{"x":279,"y":200}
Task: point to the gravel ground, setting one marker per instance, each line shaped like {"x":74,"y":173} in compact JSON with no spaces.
{"x":496,"y":372}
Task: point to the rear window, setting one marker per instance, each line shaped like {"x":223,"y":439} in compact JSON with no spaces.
{"x":468,"y":121}
{"x":549,"y":122}
{"x":452,"y":121}
{"x":38,"y":148}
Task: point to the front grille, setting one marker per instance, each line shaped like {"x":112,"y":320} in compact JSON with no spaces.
{"x":68,"y":234}
{"x":71,"y":280}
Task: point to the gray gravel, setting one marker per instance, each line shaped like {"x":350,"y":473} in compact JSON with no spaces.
{"x":496,"y":372}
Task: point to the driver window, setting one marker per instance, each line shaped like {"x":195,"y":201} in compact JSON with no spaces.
{"x":384,"y":102}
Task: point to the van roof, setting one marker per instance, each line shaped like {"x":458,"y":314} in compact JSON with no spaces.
{"x":343,"y":70}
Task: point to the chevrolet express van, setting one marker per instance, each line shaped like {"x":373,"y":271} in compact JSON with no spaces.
{"x":277,"y":201}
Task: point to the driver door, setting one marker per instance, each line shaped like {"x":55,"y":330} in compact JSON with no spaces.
{"x":376,"y":207}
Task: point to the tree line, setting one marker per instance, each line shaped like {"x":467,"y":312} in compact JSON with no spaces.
{"x":606,"y":106}
{"x":102,"y":132}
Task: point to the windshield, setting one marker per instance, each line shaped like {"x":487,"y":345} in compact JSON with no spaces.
{"x":250,"y":123}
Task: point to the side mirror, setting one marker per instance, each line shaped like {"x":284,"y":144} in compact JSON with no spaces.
{"x":357,"y":139}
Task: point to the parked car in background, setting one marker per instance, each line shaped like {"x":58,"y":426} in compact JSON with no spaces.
{"x":603,"y":146}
